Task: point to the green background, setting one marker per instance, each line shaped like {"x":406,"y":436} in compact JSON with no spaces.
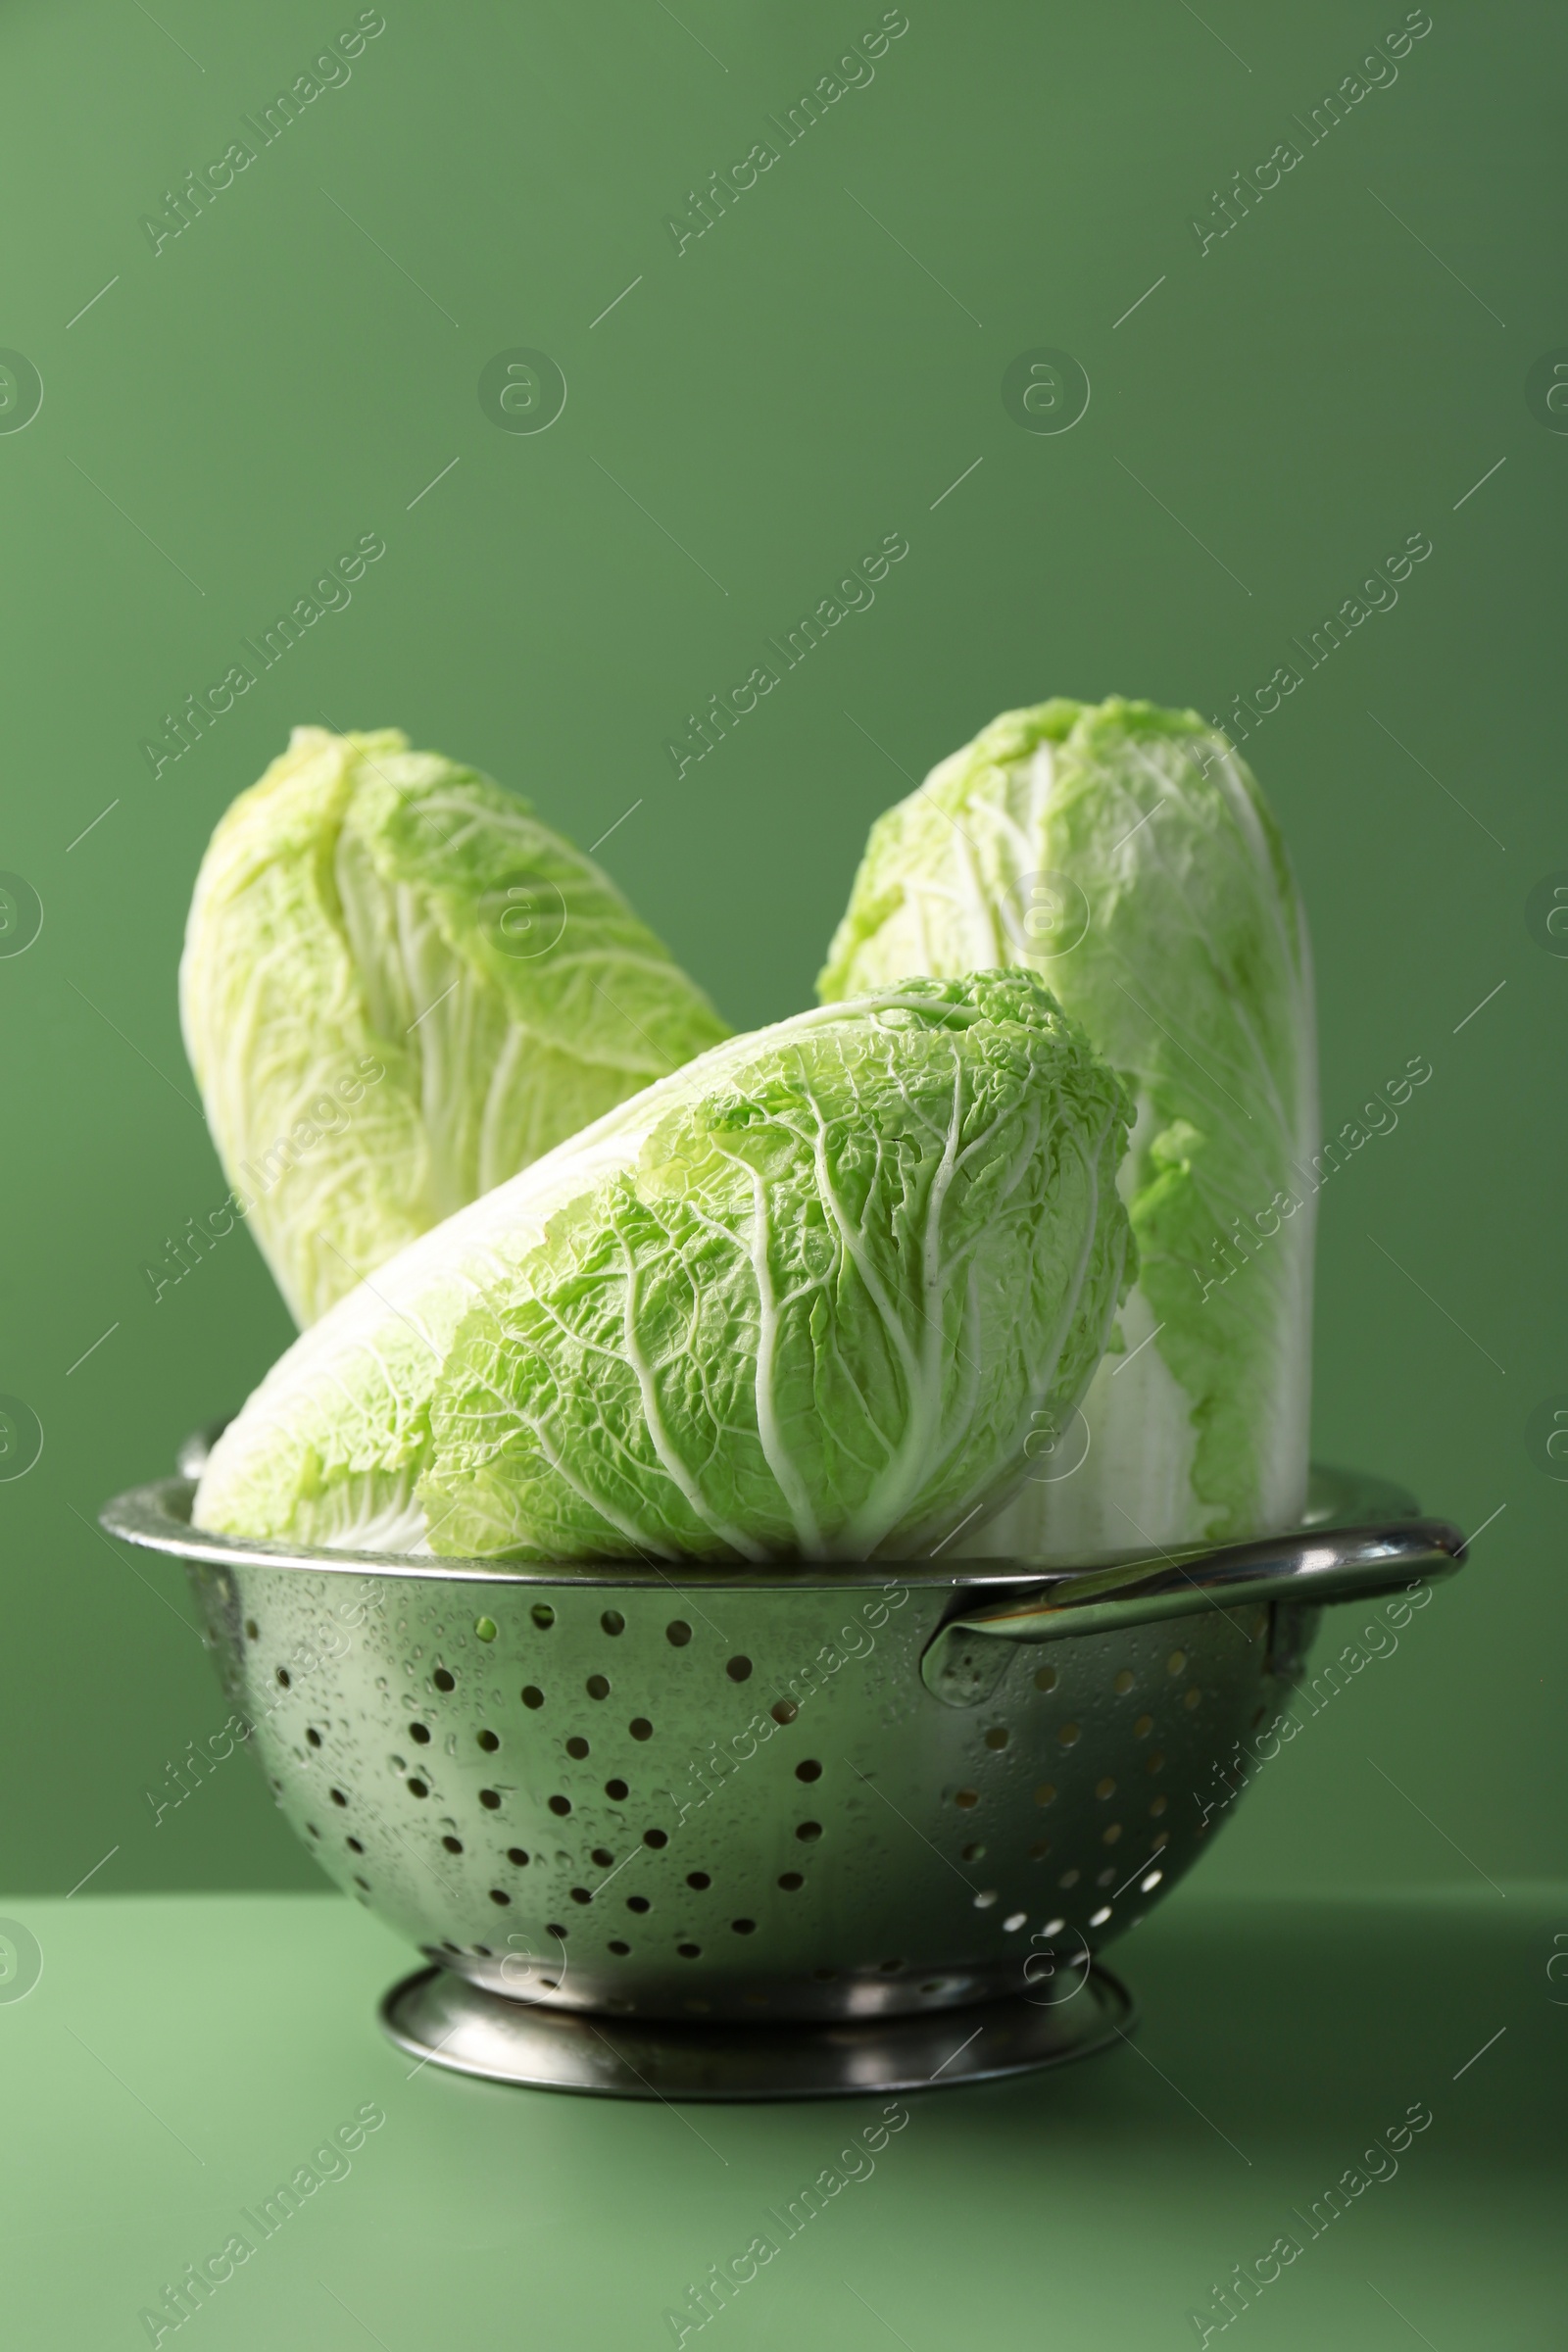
{"x":820,"y":369}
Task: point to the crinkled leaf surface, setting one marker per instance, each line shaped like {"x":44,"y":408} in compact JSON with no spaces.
{"x":1126,"y":853}
{"x":805,"y":1298}
{"x":400,"y":987}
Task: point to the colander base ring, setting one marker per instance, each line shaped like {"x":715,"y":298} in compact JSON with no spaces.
{"x":442,"y":2020}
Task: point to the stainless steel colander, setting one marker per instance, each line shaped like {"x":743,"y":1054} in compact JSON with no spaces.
{"x":739,"y":1833}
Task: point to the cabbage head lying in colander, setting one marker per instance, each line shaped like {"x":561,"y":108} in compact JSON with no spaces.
{"x":808,"y":1296}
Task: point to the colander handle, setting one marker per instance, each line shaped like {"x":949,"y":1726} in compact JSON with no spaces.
{"x":966,"y":1658}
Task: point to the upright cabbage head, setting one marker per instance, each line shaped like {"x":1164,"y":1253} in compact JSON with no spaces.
{"x":807,"y":1298}
{"x":1126,"y":855}
{"x":398,"y":989}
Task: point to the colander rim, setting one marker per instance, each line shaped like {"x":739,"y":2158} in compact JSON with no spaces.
{"x":156,"y":1517}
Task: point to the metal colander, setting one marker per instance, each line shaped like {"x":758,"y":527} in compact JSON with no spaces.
{"x":726,"y":1802}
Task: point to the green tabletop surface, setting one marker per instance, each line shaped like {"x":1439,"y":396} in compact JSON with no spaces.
{"x":180,"y":2058}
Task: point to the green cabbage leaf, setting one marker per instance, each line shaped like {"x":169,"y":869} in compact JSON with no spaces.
{"x":807,"y":1298}
{"x":1126,"y":855}
{"x":399,"y":988}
